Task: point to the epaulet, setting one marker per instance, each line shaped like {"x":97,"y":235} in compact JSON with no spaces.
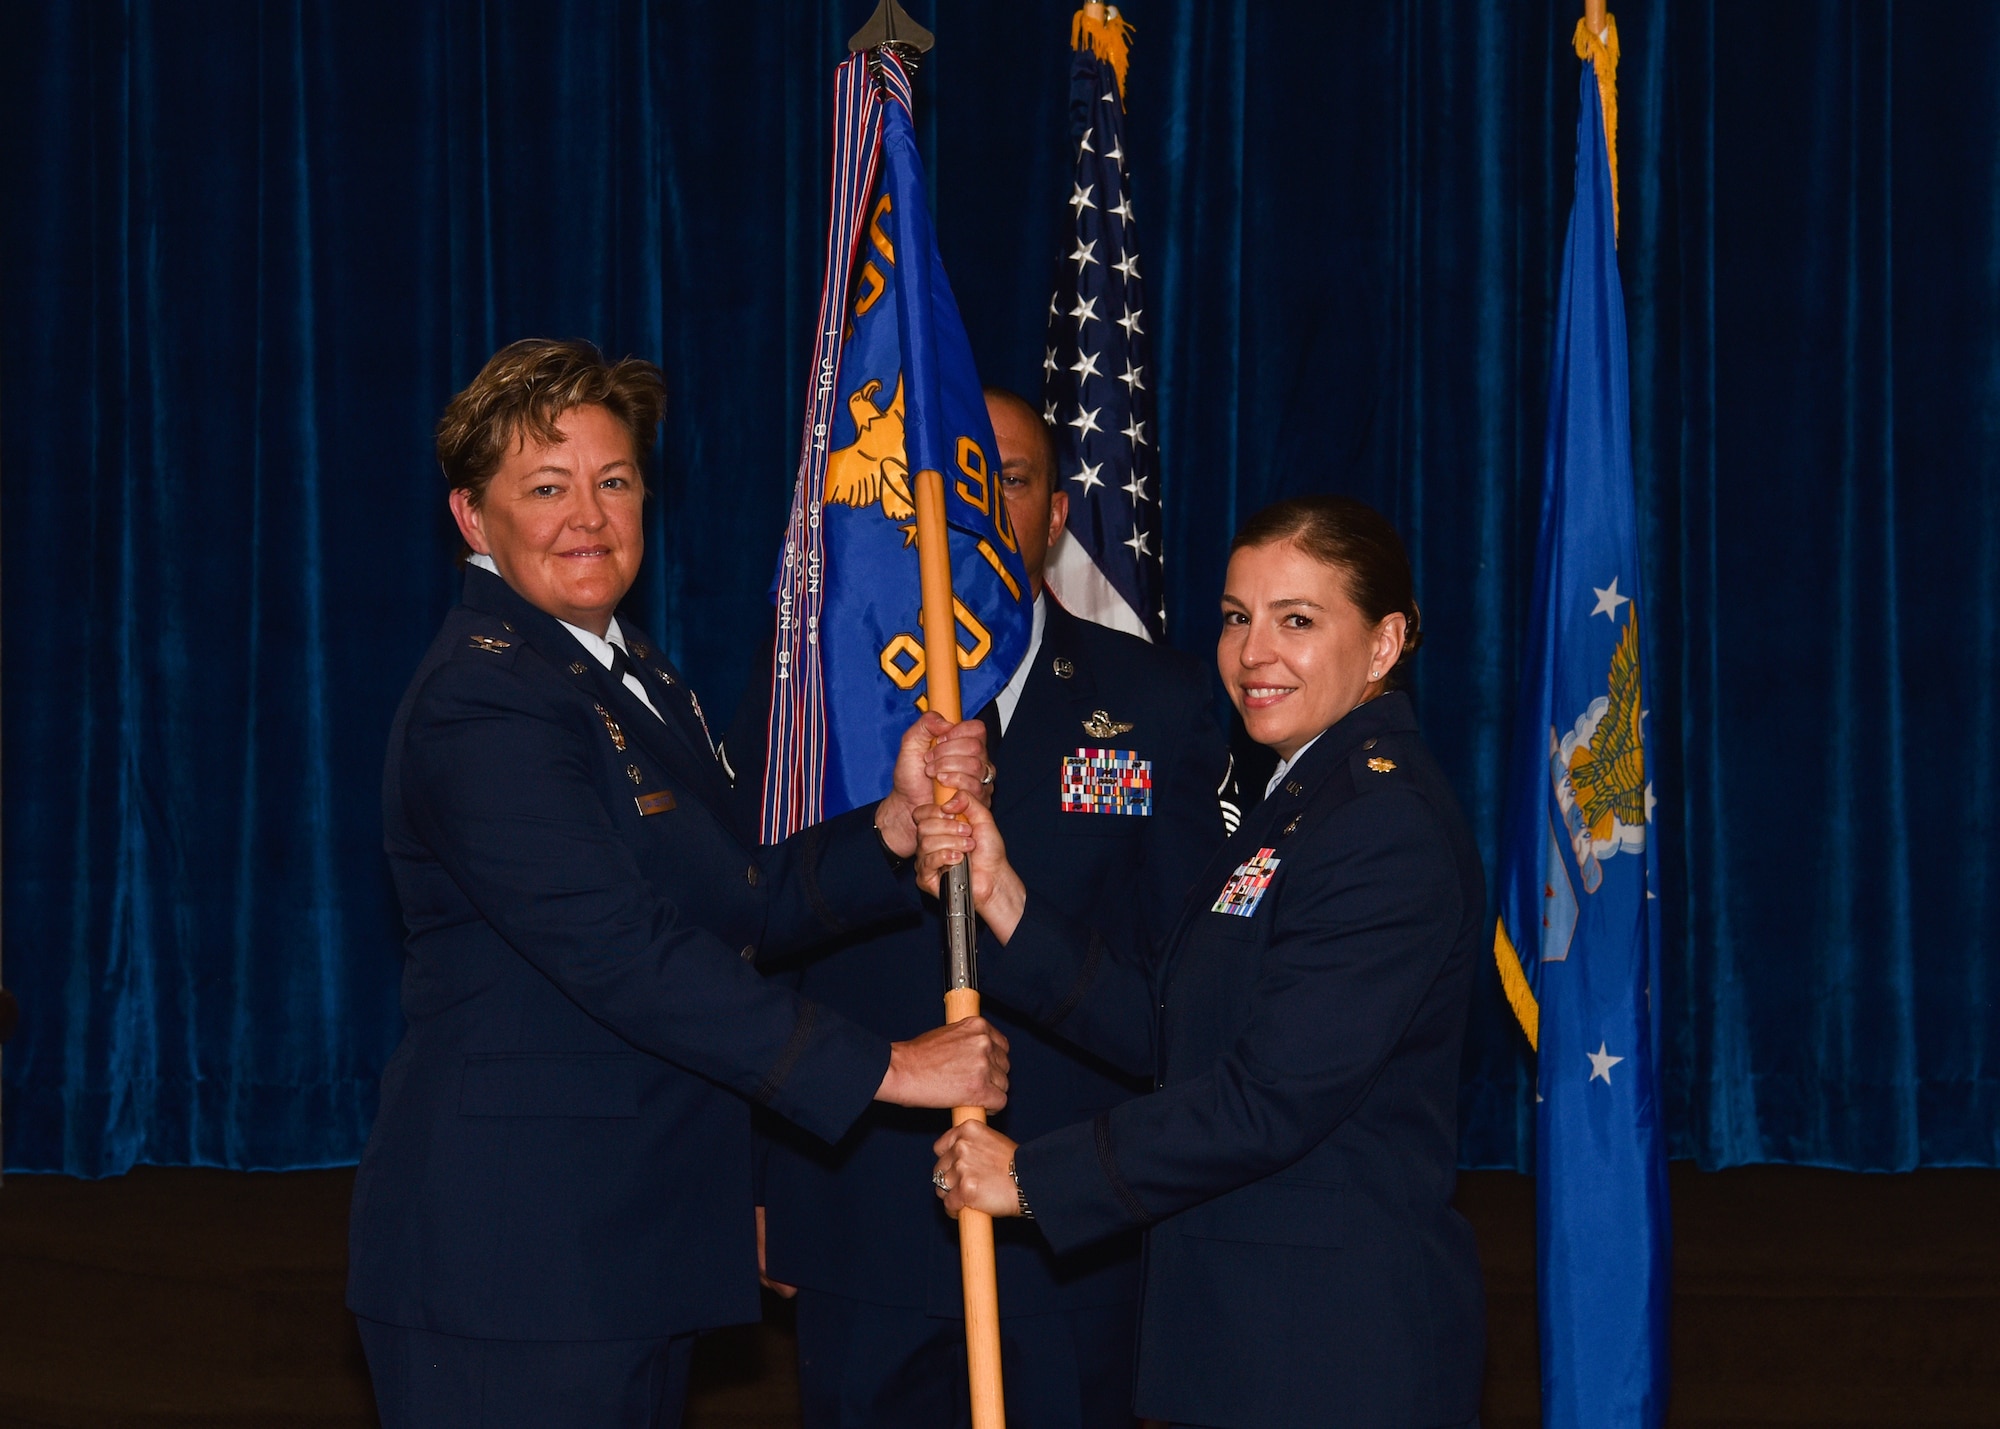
{"x":486,"y":637}
{"x":1374,"y":765}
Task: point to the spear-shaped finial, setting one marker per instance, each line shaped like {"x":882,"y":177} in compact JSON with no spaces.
{"x":891,"y":25}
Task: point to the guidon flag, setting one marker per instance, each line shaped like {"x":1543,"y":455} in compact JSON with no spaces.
{"x":893,"y":392}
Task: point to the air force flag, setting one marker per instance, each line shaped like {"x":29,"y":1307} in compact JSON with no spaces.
{"x":1579,"y":927}
{"x":893,"y":393}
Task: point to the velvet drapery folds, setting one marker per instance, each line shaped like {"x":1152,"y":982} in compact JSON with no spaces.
{"x":248,"y":250}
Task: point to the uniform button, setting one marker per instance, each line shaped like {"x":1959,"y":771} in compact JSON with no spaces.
{"x":749,"y":954}
{"x":750,"y":874}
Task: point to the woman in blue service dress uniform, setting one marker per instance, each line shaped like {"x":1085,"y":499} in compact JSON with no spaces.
{"x":1294,"y":1166}
{"x":557,"y":1194}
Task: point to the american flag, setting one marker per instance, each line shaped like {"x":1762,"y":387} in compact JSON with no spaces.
{"x":1097,"y":384}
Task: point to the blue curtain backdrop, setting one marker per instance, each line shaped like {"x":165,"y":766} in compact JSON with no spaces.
{"x":247,"y":250}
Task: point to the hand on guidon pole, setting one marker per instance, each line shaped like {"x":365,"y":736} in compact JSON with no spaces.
{"x":965,"y":828}
{"x":972,"y":1171}
{"x":963,"y":1063}
{"x":934,"y":752}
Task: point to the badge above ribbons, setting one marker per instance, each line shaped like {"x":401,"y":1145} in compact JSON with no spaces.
{"x":893,"y":393}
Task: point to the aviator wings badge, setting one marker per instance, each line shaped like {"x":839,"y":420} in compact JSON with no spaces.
{"x":1101,"y":725}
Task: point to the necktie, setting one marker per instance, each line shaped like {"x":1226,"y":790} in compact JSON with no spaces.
{"x":625,"y":670}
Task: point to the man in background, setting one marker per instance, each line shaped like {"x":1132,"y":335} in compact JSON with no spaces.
{"x":856,"y":1228}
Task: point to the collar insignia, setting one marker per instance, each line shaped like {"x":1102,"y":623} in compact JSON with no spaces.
{"x":489,"y":644}
{"x":1101,"y":725}
{"x":1063,"y":668}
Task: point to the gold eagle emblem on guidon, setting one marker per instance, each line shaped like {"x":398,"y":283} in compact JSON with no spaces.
{"x":1599,"y":768}
{"x":1101,"y":725}
{"x":873,"y":467}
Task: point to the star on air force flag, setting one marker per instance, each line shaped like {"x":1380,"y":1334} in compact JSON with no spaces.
{"x":1097,"y":385}
{"x":893,"y":393}
{"x":1579,"y":930}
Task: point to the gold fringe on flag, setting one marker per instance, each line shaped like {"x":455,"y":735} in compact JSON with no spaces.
{"x":1602,"y":52}
{"x":1514,"y":982}
{"x":1101,"y":29}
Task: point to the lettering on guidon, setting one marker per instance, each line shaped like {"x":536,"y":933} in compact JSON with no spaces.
{"x":1245,"y":889}
{"x":1107,"y":781}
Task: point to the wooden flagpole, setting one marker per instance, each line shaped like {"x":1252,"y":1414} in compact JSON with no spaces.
{"x":891,"y":26}
{"x":961,"y":998}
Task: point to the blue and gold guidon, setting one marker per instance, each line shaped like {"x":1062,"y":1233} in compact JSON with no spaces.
{"x":893,"y":393}
{"x":1107,"y":781}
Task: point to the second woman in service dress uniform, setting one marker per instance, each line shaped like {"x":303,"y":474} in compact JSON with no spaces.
{"x":1295,"y":1165}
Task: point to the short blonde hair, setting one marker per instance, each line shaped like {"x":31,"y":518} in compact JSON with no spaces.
{"x":525,"y":388}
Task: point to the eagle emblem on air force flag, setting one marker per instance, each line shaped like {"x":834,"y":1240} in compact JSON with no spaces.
{"x":1599,"y":767}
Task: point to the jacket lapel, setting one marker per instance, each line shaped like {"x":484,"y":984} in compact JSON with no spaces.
{"x":1048,"y":722}
{"x":1318,"y":783}
{"x":673,"y":737}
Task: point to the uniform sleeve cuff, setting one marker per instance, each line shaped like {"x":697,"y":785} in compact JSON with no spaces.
{"x":856,"y":884}
{"x":1071,"y":1178}
{"x":827,"y":1075}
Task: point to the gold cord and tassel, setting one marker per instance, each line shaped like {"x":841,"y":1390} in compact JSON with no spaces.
{"x":1099,"y":28}
{"x":1602,"y":52}
{"x":1514,"y":982}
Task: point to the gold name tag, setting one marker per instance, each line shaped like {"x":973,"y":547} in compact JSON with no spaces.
{"x":654,"y":803}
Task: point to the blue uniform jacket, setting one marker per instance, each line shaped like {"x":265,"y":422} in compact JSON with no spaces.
{"x":1295,"y":1168}
{"x":563,"y":1149}
{"x":861,"y":1220}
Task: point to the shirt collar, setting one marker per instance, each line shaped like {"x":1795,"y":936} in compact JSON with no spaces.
{"x":1285,"y":765}
{"x":1009,"y":698}
{"x":598,"y":645}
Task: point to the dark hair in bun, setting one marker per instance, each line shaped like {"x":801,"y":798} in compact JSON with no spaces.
{"x":1356,"y":540}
